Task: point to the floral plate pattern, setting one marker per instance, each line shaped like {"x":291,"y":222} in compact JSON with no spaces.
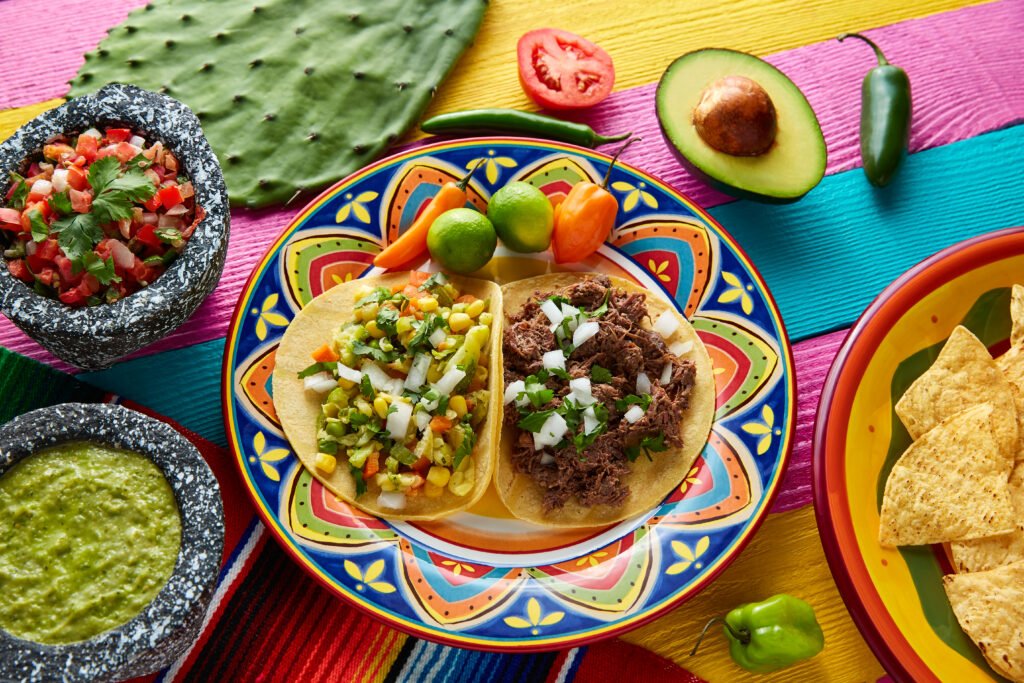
{"x":483,"y":579}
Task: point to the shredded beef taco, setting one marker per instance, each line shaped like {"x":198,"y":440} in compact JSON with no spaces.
{"x":609,"y":398}
{"x":387,"y":389}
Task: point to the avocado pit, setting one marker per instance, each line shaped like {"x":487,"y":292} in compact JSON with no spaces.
{"x":736,"y":116}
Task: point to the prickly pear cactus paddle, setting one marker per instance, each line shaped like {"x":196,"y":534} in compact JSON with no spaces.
{"x":292,"y":94}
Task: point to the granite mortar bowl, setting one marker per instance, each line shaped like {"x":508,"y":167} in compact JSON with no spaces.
{"x":94,"y":337}
{"x":169,"y":624}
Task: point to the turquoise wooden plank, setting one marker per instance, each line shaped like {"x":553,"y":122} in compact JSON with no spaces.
{"x":824,"y":258}
{"x":183,"y":384}
{"x":827,"y":256}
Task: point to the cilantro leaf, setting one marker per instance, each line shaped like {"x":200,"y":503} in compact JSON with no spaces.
{"x":402,"y":454}
{"x":623,"y":404}
{"x":465,"y":446}
{"x":357,"y":419}
{"x":140,"y":161}
{"x":560,"y":373}
{"x":40,"y":230}
{"x":435,"y":280}
{"x":375,"y":297}
{"x":602,"y":309}
{"x":316,"y":368}
{"x":17,"y":200}
{"x":538,"y":394}
{"x":78,"y":234}
{"x":102,"y":172}
{"x":647,"y":445}
{"x":535,"y":421}
{"x":599,"y":375}
{"x":102,"y":269}
{"x":365,"y":388}
{"x":108,"y":207}
{"x":362,"y":349}
{"x":61,"y":203}
{"x":431,"y":322}
{"x":170,"y":236}
{"x":387,"y":320}
{"x":328,"y":446}
{"x":559,"y":300}
{"x":357,"y":475}
{"x":133,"y":185}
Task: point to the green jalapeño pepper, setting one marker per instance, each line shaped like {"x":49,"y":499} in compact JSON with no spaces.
{"x":770,"y":635}
{"x":512,"y":121}
{"x":884,"y":117}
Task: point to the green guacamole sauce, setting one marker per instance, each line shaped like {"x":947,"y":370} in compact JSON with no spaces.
{"x":88,"y":537}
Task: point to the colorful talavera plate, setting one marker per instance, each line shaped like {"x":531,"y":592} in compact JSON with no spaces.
{"x":895,"y":595}
{"x":483,"y":579}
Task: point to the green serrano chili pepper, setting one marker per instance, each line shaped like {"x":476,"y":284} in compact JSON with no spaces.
{"x":502,"y":121}
{"x":770,"y":635}
{"x":884,"y":117}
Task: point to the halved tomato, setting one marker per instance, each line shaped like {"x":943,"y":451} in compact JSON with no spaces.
{"x":561,"y":70}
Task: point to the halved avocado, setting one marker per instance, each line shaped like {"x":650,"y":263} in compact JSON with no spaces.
{"x":741,"y":125}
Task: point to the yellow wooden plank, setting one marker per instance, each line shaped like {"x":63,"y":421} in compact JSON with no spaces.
{"x":12,"y":119}
{"x":644,"y":36}
{"x":785,"y":557}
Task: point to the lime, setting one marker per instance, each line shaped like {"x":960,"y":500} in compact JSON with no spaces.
{"x":522,"y":216}
{"x":462,"y":240}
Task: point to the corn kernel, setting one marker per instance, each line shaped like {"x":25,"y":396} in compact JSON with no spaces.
{"x":345,"y":384}
{"x":404,"y":324}
{"x":362,"y":291}
{"x":486,"y":318}
{"x":461,"y":483}
{"x":326,"y":463}
{"x":367,"y":312}
{"x":434,"y":373}
{"x":458,"y":404}
{"x":459,"y":322}
{"x":426,"y":304}
{"x":431,"y":491}
{"x":374,"y":331}
{"x":480,"y":374}
{"x":476,"y":308}
{"x":364,"y":407}
{"x":439,"y":476}
{"x":459,"y":308}
{"x":380,"y":406}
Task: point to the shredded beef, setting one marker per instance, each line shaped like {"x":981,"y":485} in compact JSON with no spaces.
{"x":624,"y":348}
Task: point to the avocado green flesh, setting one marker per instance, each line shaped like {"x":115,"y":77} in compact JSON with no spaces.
{"x":796,"y":161}
{"x":88,"y":537}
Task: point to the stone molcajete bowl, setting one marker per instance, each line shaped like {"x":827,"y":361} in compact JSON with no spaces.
{"x":94,"y":337}
{"x":166,"y":627}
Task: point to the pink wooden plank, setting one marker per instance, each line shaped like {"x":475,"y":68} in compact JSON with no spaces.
{"x":38,"y":63}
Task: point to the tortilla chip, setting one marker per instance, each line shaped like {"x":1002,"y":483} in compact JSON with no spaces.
{"x":951,"y":484}
{"x":982,"y":554}
{"x":649,"y":481}
{"x":990,"y":608}
{"x":963,"y":375}
{"x":1011,"y":363}
{"x":1017,"y":315}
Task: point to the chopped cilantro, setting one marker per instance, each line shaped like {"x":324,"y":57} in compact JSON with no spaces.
{"x":623,"y":404}
{"x":316,"y":368}
{"x":102,"y":172}
{"x":602,"y":309}
{"x":17,"y":200}
{"x":328,"y":446}
{"x":357,"y":475}
{"x":421,"y":338}
{"x":61,"y":203}
{"x":375,"y":297}
{"x":365,"y":388}
{"x":538,"y":394}
{"x":168,"y":235}
{"x":435,"y":280}
{"x":140,"y":161}
{"x":442,"y":405}
{"x":357,"y":419}
{"x":559,"y":300}
{"x":387,"y":319}
{"x":40,"y":230}
{"x":402,"y":454}
{"x":102,"y":269}
{"x":465,"y":446}
{"x":599,"y":375}
{"x":78,"y":234}
{"x":534,"y":421}
{"x":560,"y":373}
{"x":362,"y":349}
{"x":647,"y":445}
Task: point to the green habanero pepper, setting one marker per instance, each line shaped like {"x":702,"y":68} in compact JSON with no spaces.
{"x":770,"y":635}
{"x":505,"y":121}
{"x":884,"y":117}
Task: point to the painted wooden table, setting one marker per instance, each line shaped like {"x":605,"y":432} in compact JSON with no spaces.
{"x":824,"y":257}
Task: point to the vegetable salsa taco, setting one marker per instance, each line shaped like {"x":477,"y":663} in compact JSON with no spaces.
{"x":386,"y":389}
{"x":609,"y":399}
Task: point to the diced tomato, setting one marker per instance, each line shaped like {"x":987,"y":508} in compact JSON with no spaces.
{"x":418,"y":277}
{"x":142,"y":273}
{"x":153,"y":203}
{"x":34,"y":197}
{"x":73,"y":297}
{"x":67,"y":275}
{"x":147,"y":235}
{"x":440,"y":423}
{"x":126,"y":152}
{"x":118,"y":134}
{"x":77,"y":178}
{"x":46,"y":276}
{"x":372,"y":465}
{"x":47,"y":249}
{"x":87,"y":146}
{"x":26,"y":216}
{"x":170,"y":196}
{"x":89,"y":284}
{"x":325,"y":354}
{"x":36,"y":263}
{"x":18,"y":269}
{"x":57,"y":151}
{"x":412,"y":292}
{"x":465,"y":299}
{"x":421,"y":466}
{"x":80,"y":201}
{"x":108,"y":151}
{"x":10,"y":219}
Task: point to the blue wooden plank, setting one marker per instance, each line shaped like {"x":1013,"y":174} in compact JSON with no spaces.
{"x":827,"y":256}
{"x":824,"y":258}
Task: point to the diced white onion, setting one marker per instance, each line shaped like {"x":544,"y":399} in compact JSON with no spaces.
{"x":92,"y":132}
{"x":551,"y":432}
{"x":60,"y":179}
{"x":546,"y":458}
{"x":513,"y":390}
{"x":666,"y":374}
{"x":136,"y":140}
{"x":590,"y":421}
{"x":321,"y":382}
{"x":666,"y":324}
{"x":584,"y":332}
{"x":446,"y":385}
{"x":418,"y":372}
{"x":643,"y":383}
{"x":680,"y":348}
{"x":580,"y":392}
{"x":379,"y":379}
{"x":394,"y":500}
{"x":41,"y":187}
{"x":394,"y":387}
{"x":551,"y":310}
{"x":177,"y":210}
{"x":633,"y":414}
{"x":123,"y":256}
{"x":165,"y":221}
{"x":349,"y":374}
{"x":422,"y":419}
{"x":437,"y":337}
{"x":554,"y":359}
{"x":569,"y":311}
{"x":398,"y":420}
{"x":149,"y":218}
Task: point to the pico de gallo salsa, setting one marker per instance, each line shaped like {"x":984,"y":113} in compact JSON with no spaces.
{"x":97,"y":216}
